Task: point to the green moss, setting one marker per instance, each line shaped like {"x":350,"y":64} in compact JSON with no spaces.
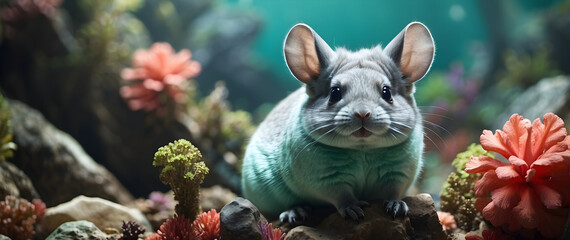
{"x":184,"y":170}
{"x":7,"y":147}
{"x":458,"y":196}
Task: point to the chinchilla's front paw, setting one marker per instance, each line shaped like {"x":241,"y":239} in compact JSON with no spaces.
{"x":295,"y":215}
{"x":397,"y":208}
{"x":353,"y":210}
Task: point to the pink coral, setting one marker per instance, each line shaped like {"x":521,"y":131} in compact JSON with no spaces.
{"x":207,"y":225}
{"x":156,"y":71}
{"x":176,"y":228}
{"x":531,"y":191}
{"x":446,"y":220}
{"x":268,"y":233}
{"x":18,"y":216}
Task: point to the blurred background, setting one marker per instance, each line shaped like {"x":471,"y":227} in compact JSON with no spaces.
{"x":65,"y":58}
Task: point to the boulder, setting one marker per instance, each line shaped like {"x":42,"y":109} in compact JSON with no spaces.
{"x":239,"y":220}
{"x":104,"y":214}
{"x":80,"y":230}
{"x":57,"y":165}
{"x":548,"y":95}
{"x":15,"y":183}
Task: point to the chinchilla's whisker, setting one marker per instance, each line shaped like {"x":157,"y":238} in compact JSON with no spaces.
{"x":313,"y":142}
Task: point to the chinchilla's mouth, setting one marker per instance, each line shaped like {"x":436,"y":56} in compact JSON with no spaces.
{"x":362,"y":133}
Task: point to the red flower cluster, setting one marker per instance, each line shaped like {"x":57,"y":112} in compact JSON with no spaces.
{"x":18,"y":216}
{"x":207,"y":225}
{"x":155,"y":71}
{"x":531,"y":190}
{"x":177,"y":228}
{"x":268,"y":233}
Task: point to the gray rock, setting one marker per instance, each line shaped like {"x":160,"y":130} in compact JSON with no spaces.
{"x":548,"y":95}
{"x":79,"y":230}
{"x":239,"y":220}
{"x":15,"y":183}
{"x":102,"y":213}
{"x":57,"y":165}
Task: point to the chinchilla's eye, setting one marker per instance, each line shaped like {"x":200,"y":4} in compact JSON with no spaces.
{"x":386,"y":94}
{"x":336,"y":95}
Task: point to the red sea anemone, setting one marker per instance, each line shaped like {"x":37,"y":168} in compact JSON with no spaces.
{"x":531,"y":190}
{"x":156,"y":71}
{"x":207,"y":225}
{"x":177,"y":228}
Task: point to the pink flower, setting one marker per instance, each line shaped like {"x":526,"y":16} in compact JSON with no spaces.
{"x":177,"y":227}
{"x":446,"y":220}
{"x":207,"y":225}
{"x":155,"y":71}
{"x":268,"y":232}
{"x":531,"y":191}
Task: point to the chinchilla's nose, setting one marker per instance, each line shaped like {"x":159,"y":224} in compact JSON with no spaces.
{"x":362,"y":115}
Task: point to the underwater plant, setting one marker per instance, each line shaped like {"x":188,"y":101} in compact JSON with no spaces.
{"x":131,"y":230}
{"x":268,"y":233}
{"x":7,"y":147}
{"x":18,"y":216}
{"x":160,"y":78}
{"x":207,"y":225}
{"x":175,"y":228}
{"x":531,"y":190}
{"x":457,"y":194}
{"x":446,"y":220}
{"x":159,"y":202}
{"x":184,"y":170}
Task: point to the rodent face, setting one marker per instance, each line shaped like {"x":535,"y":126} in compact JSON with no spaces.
{"x":366,"y":104}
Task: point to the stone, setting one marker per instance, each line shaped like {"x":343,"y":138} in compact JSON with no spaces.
{"x":239,"y":220}
{"x":421,"y":223}
{"x":548,"y":95}
{"x":215,"y":197}
{"x":16,"y":183}
{"x":56,"y":164}
{"x":102,"y":213}
{"x":80,"y":230}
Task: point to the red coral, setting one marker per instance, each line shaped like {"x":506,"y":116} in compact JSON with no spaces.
{"x":155,"y":71}
{"x":446,"y":220}
{"x":207,"y":225}
{"x":489,"y":234}
{"x":177,"y":228}
{"x":18,"y":216}
{"x":268,"y":233}
{"x":531,"y":191}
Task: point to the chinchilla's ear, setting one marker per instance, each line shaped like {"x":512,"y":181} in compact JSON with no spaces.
{"x":413,"y":51}
{"x":306,"y":54}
